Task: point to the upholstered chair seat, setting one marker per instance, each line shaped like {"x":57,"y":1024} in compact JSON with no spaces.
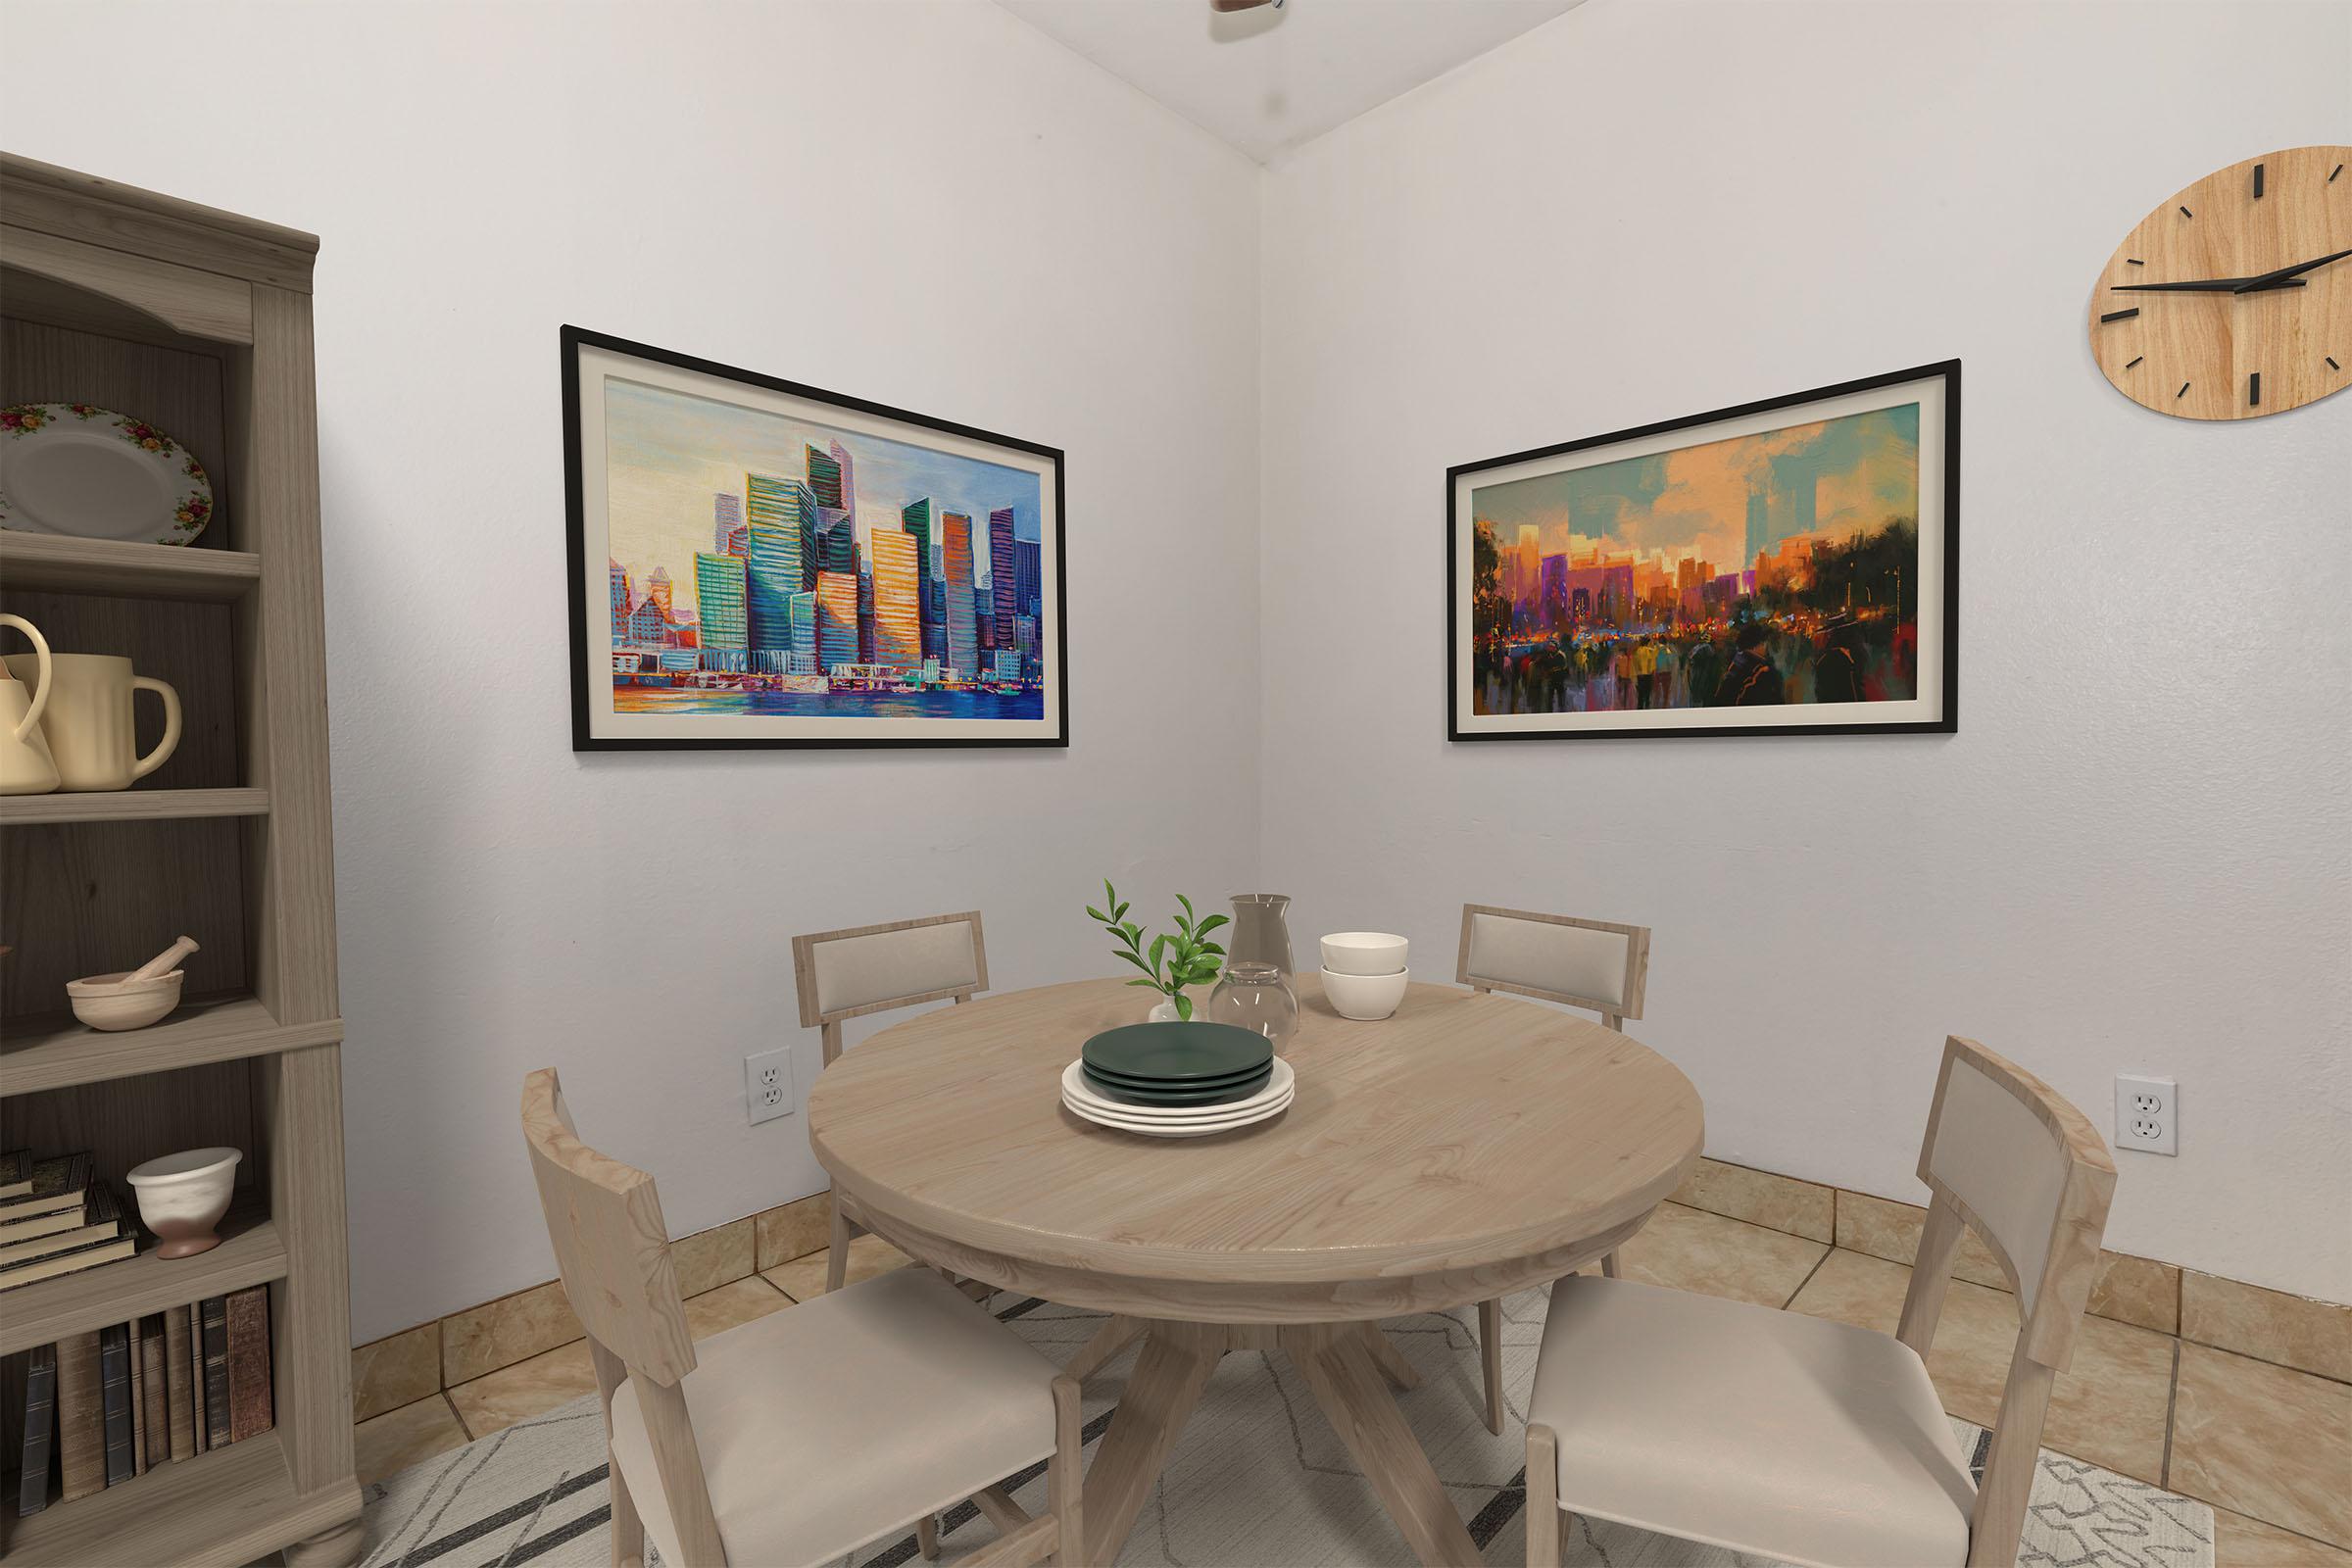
{"x":885,"y":1399}
{"x":1770,"y":1432}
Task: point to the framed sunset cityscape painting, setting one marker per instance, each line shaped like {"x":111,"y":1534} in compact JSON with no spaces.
{"x":756,"y":562}
{"x":1785,"y":567}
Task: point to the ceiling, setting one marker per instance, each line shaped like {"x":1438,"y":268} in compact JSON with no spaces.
{"x":1268,"y":80}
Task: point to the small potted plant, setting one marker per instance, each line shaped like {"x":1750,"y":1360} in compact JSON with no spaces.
{"x":1170,"y":963}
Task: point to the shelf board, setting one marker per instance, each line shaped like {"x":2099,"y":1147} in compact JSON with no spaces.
{"x":59,"y":1050}
{"x":251,"y":1252}
{"x":223,"y":1508}
{"x":129,"y":806}
{"x":48,"y":561}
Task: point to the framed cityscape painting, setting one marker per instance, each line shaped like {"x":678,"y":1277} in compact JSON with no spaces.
{"x":1785,"y":567}
{"x":756,"y":562}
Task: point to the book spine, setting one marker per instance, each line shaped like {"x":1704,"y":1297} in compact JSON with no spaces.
{"x":158,"y":1404}
{"x":180,"y":1381}
{"x":138,"y":1396}
{"x":113,"y":1374}
{"x":81,"y":1419}
{"x":41,"y":1420}
{"x":213,"y":1312}
{"x":249,"y":1408}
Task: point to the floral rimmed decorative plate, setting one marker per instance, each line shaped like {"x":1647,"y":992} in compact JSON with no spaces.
{"x":80,"y":470}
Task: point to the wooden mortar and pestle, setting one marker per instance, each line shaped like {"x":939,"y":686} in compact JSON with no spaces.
{"x":132,"y":998}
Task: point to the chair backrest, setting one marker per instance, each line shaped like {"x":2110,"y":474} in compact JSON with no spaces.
{"x":870,"y":969}
{"x":612,"y":1255}
{"x":2007,"y":1158}
{"x":1585,"y":964}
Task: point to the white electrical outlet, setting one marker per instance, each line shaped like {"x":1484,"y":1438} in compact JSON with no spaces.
{"x":768,"y":1085}
{"x":2147,"y":1114}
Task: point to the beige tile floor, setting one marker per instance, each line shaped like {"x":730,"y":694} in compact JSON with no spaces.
{"x":2271,"y":1449}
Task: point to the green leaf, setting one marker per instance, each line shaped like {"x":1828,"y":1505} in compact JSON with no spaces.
{"x":1159,"y":948}
{"x":1211,"y":946}
{"x":1111,"y":895}
{"x":1184,"y":1008}
{"x":1135,"y":934}
{"x":1140,"y":964}
{"x":1188,"y":905}
{"x":1147,"y":984}
{"x":1210,"y":924}
{"x":1097,"y":915}
{"x":1119,"y":914}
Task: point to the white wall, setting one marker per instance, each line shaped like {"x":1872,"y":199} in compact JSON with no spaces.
{"x":930,"y":205}
{"x":2136,"y":851}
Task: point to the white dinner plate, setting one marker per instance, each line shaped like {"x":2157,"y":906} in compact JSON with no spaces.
{"x":1076,"y":1087}
{"x":1178,"y":1129}
{"x":91,"y":473}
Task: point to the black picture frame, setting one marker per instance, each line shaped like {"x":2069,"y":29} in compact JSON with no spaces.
{"x":572,"y":339}
{"x":1947,"y":718}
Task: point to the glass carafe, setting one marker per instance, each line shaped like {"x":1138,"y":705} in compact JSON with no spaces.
{"x":1259,"y":933}
{"x":1254,"y":997}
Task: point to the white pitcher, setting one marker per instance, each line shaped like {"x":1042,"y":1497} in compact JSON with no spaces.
{"x":88,"y":721}
{"x":26,"y":765}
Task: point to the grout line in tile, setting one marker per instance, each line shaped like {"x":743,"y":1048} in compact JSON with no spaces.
{"x":2249,"y":1355}
{"x":1809,"y":1273}
{"x":2171,"y":1404}
{"x":457,"y":1415}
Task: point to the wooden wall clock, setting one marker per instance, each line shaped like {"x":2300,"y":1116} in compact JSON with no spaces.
{"x":2233,"y":299}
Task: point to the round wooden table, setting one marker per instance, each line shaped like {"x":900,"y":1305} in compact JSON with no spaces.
{"x":1468,"y":1147}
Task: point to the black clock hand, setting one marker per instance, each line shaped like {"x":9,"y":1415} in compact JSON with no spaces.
{"x":2276,"y":279}
{"x":2210,"y":285}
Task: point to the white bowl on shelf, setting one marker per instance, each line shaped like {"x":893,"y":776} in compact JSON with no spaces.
{"x":182,"y":1196}
{"x":1365,"y":997}
{"x":1368,"y":953}
{"x":117,"y":1001}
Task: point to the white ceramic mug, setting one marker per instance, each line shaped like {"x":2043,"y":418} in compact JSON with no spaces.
{"x":26,"y":766}
{"x":88,"y":723}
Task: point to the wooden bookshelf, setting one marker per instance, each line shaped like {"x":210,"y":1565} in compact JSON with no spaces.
{"x":131,"y":806}
{"x":251,"y":1252}
{"x":61,"y":1052}
{"x":37,"y":562}
{"x":197,"y":321}
{"x":245,"y":1493}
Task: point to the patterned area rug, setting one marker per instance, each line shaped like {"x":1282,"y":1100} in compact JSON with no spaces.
{"x":1258,"y":1479}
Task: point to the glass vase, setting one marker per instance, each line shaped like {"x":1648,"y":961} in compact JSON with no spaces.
{"x":1260,"y":934}
{"x":1255,"y":997}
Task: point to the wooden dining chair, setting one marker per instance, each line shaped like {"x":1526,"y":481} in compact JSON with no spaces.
{"x":799,"y":1435}
{"x":875,"y":968}
{"x":1817,"y":1441}
{"x":1554,"y":957}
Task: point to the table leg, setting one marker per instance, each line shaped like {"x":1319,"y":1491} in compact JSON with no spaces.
{"x":1390,"y":1359}
{"x":1338,"y":1368}
{"x":1174,"y":1367}
{"x":1109,"y":1340}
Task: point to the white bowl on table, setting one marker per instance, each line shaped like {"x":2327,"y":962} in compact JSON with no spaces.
{"x":1365,"y":997}
{"x":1366,"y":952}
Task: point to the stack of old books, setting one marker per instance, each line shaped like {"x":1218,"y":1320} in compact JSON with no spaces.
{"x":102,"y":1408}
{"x":55,"y":1219}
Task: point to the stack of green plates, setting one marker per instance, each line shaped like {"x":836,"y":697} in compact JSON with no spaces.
{"x":1179,"y":1063}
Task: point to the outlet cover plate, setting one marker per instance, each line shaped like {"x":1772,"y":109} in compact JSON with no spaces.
{"x":768,"y":1085}
{"x":2147,"y":1113}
